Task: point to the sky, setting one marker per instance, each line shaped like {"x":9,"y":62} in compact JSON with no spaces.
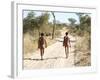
{"x":62,"y":17}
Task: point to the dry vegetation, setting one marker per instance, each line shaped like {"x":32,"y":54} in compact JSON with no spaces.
{"x":31,"y":45}
{"x":82,"y":52}
{"x":34,"y":25}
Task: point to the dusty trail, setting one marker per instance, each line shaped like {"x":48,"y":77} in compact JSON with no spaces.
{"x":54,"y":57}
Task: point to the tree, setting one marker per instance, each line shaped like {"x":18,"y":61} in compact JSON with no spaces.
{"x":85,"y":23}
{"x":72,"y":21}
{"x":27,"y":22}
{"x":79,"y":16}
{"x":43,"y":21}
{"x":32,"y":23}
{"x":54,"y":25}
{"x":31,"y":15}
{"x":86,"y":19}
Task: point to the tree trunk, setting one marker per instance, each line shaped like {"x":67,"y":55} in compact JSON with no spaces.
{"x":53,"y":32}
{"x":54,"y":25}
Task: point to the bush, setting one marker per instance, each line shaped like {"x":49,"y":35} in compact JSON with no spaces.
{"x":30,"y":45}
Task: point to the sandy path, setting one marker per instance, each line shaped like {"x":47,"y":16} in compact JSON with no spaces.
{"x":54,"y":57}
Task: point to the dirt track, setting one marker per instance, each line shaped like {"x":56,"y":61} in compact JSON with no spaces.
{"x":54,"y":57}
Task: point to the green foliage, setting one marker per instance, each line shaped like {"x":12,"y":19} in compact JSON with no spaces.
{"x":83,"y":27}
{"x":72,"y":21}
{"x":83,"y":30}
{"x":34,"y":25}
{"x":27,"y":22}
{"x":31,"y":23}
{"x":31,"y":15}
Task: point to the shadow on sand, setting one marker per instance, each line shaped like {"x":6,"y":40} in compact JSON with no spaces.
{"x":45,"y":58}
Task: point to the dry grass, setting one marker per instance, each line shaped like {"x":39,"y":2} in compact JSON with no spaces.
{"x":82,"y":52}
{"x":31,"y":45}
{"x":83,"y":59}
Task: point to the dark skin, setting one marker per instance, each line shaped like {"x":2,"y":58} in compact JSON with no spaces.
{"x":41,"y":47}
{"x":67,"y":46}
{"x":67,"y":50}
{"x":42,"y":53}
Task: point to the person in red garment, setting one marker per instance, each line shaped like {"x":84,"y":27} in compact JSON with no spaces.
{"x":42,"y":44}
{"x":66,"y":44}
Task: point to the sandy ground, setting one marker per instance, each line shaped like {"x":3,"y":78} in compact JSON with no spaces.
{"x":54,"y":57}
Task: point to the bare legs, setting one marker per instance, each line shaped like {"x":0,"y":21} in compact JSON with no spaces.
{"x":42,"y":53}
{"x":66,"y":51}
